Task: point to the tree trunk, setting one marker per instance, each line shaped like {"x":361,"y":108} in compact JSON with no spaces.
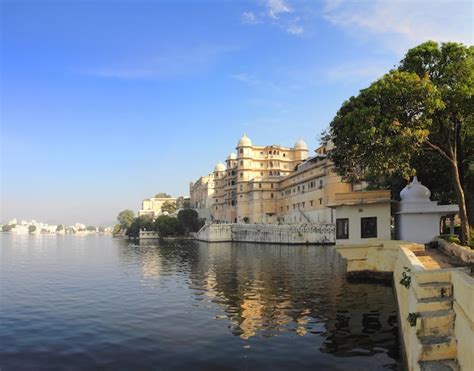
{"x":465,"y":229}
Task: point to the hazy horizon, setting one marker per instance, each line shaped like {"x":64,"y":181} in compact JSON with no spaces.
{"x":107,"y":103}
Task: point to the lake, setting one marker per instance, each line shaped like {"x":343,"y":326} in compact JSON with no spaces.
{"x":94,"y":302}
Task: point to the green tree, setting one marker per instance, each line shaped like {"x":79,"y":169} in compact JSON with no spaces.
{"x":91,"y":228}
{"x":168,"y":226}
{"x":31,"y":228}
{"x":59,"y":228}
{"x":168,"y":207}
{"x":162,"y":195}
{"x":143,"y":222}
{"x":117,"y":228}
{"x":189,"y":220}
{"x":424,"y":106}
{"x":125,"y":218}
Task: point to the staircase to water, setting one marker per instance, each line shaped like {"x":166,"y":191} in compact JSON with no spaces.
{"x":435,"y":326}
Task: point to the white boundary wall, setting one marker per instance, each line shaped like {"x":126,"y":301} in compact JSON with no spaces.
{"x":268,"y":233}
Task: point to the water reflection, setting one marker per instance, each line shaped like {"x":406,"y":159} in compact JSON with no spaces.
{"x":271,"y":290}
{"x":98,"y":303}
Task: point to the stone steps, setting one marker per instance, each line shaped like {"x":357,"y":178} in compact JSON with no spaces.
{"x":445,"y":365}
{"x":434,"y":304}
{"x":435,"y":326}
{"x":435,"y":323}
{"x":437,"y":348}
{"x":433,"y":290}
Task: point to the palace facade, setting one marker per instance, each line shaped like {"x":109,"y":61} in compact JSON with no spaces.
{"x":270,"y":184}
{"x":152,"y":206}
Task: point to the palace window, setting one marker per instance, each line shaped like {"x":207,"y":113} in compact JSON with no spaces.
{"x":303,"y":205}
{"x":320,"y":201}
{"x":271,"y":195}
{"x":241,"y":150}
{"x":368,"y":227}
{"x":311,"y":202}
{"x":342,"y":229}
{"x":287,"y":207}
{"x":241,"y":163}
{"x":259,"y":185}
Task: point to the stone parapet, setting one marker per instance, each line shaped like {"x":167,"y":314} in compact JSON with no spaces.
{"x":435,"y":306}
{"x":314,"y":234}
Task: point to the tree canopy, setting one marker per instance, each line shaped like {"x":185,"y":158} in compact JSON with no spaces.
{"x":189,"y":219}
{"x":162,"y":195}
{"x":423,"y":108}
{"x":125,"y":218}
{"x":143,"y":222}
{"x":168,"y":207}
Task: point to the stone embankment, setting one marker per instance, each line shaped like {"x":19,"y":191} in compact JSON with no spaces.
{"x":435,"y":301}
{"x":315,"y":234}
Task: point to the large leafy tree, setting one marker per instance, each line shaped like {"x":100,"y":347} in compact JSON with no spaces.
{"x":425,"y":106}
{"x":125,"y":218}
{"x":168,"y":207}
{"x":189,"y":220}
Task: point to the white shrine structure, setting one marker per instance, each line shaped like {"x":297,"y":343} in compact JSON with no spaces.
{"x":418,"y":216}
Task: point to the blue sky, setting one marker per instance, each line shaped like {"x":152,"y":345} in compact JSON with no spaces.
{"x":104,"y":103}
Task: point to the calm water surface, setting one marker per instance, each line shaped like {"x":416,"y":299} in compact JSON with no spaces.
{"x":98,"y":303}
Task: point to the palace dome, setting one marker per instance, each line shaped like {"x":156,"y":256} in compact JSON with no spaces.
{"x":301,"y":144}
{"x":244,"y":141}
{"x":219,"y":167}
{"x":415,"y":192}
{"x":232,"y":156}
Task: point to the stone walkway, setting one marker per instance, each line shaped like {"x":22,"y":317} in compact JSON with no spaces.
{"x":434,"y":259}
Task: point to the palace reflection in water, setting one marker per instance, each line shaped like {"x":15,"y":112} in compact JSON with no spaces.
{"x":95,"y":302}
{"x":268,"y":290}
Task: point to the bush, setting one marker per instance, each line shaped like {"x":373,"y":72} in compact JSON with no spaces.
{"x":117,"y":229}
{"x":168,"y":226}
{"x":142,"y":222}
{"x":31,"y":228}
{"x":189,"y":220}
{"x":451,"y":238}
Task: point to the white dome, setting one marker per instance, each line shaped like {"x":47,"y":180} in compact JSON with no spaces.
{"x":415,"y":192}
{"x":244,"y":141}
{"x":232,"y":156}
{"x":301,"y":144}
{"x":219,"y":167}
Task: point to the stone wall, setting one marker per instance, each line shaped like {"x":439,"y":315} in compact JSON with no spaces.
{"x":269,"y":233}
{"x":148,"y":235}
{"x":439,"y":302}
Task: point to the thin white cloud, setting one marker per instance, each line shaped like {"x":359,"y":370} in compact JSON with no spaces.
{"x":249,"y":18}
{"x":401,"y":24}
{"x":277,"y":7}
{"x":368,"y":70}
{"x":295,"y":29}
{"x":277,"y":13}
{"x":169,"y":63}
{"x":245,"y":78}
